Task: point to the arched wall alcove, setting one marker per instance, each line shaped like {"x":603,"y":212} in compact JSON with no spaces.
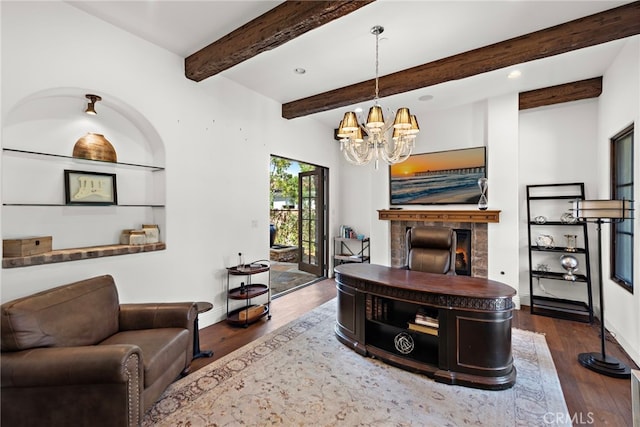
{"x":39,"y":134}
{"x":58,"y":115}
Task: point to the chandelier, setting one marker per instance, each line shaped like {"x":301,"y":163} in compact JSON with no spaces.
{"x":392,"y":140}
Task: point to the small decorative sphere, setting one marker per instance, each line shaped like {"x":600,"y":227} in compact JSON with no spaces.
{"x":569,"y":262}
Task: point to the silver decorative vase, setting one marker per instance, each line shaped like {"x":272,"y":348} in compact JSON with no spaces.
{"x":569,"y":263}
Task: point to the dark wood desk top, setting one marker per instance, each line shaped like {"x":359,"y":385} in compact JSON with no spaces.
{"x":417,"y":281}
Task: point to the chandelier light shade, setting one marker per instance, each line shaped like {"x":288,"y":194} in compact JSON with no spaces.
{"x":375,"y":119}
{"x":600,"y":212}
{"x":392,"y":141}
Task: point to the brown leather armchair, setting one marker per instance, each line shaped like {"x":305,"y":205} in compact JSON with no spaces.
{"x":431,"y":249}
{"x":73,"y":355}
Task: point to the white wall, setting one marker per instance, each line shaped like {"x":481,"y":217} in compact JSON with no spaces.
{"x":217,"y":136}
{"x":502,"y":153}
{"x":456,"y":128}
{"x":553,"y":150}
{"x":619,"y":107}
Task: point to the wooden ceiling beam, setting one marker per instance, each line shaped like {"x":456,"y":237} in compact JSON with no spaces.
{"x":613,"y":24}
{"x":574,"y":91}
{"x":268,"y":31}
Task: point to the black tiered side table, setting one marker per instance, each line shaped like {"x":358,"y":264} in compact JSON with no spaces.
{"x":246,"y":292}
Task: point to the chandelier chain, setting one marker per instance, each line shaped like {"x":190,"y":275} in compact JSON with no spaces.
{"x":377,"y":93}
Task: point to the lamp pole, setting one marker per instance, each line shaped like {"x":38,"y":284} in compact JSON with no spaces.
{"x":600,"y":362}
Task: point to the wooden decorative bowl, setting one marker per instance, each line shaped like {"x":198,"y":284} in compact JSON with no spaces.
{"x":94,"y":146}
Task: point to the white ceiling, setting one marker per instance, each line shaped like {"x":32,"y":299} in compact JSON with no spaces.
{"x":342,"y":52}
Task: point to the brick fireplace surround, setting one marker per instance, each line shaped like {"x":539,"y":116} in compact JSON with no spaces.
{"x":476,"y":221}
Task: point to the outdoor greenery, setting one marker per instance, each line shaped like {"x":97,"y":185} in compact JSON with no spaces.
{"x":284,"y":186}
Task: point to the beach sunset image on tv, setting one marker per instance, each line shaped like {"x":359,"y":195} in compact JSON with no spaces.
{"x":445,"y":177}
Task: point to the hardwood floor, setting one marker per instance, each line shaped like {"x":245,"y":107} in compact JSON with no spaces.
{"x":592,"y":399}
{"x":589,"y":395}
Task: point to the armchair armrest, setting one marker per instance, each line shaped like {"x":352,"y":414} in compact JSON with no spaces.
{"x":158,"y":315}
{"x":61,"y":386}
{"x":60,"y":366}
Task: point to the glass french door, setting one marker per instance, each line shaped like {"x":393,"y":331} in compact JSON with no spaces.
{"x":311,"y":221}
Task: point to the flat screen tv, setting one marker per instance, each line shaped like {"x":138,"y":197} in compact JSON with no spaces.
{"x":440,"y":178}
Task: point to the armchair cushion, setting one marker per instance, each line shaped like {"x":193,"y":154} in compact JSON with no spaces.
{"x":44,"y":319}
{"x":159,"y":347}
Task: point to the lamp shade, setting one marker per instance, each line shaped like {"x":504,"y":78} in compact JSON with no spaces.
{"x":91,"y":109}
{"x":414,"y":125}
{"x":599,"y":209}
{"x":350,"y":122}
{"x":403,"y":119}
{"x":357,"y":137}
{"x":341,"y":132}
{"x":375,"y":118}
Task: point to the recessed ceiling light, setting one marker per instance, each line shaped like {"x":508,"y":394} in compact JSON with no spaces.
{"x":299,"y":70}
{"x":514,"y":74}
{"x":358,"y":110}
{"x":425,"y":98}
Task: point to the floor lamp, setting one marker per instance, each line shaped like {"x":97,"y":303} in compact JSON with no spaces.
{"x":600,"y":212}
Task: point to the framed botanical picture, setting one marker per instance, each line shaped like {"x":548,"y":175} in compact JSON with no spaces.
{"x":89,"y":188}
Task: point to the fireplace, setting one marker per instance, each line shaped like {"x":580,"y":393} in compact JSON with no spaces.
{"x":475,"y":223}
{"x":463,"y":252}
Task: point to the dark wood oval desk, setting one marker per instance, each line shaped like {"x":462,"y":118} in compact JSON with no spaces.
{"x":455,"y":329}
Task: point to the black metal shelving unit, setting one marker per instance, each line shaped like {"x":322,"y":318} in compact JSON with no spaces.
{"x":347,"y":250}
{"x":554,"y":200}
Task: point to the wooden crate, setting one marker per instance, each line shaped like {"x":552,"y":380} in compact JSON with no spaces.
{"x":251,"y":312}
{"x":27,"y":246}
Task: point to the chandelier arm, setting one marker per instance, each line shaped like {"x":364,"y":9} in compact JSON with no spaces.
{"x":347,"y":155}
{"x":400,"y":150}
{"x":359,"y":152}
{"x":391,"y":149}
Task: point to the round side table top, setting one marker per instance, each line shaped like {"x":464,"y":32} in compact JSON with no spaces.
{"x":203,"y":306}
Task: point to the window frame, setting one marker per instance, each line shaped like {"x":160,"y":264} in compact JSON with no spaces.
{"x":618,"y":230}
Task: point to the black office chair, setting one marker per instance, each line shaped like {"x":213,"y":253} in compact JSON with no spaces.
{"x":431,"y":249}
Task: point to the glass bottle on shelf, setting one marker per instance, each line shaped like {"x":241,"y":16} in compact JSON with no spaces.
{"x":240,"y":262}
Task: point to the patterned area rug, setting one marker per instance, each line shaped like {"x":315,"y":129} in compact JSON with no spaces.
{"x":301,"y":375}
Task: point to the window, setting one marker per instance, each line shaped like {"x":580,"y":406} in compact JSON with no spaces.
{"x":622,"y":188}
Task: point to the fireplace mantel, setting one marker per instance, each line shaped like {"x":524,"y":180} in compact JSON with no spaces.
{"x":439,"y":215}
